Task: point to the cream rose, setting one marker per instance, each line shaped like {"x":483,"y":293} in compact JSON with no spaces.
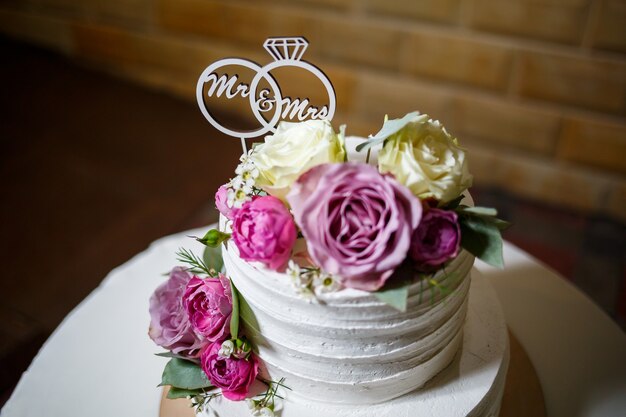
{"x":427,"y":159}
{"x":293,"y":150}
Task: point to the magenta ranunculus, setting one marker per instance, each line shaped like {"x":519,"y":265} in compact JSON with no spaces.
{"x":357,"y":222}
{"x":264,"y":231}
{"x":209,"y":304}
{"x":221,"y":199}
{"x":234,"y":376}
{"x":436,"y":240}
{"x":169,"y":324}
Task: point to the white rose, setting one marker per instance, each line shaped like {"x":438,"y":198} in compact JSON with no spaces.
{"x":427,"y":159}
{"x":293,"y":150}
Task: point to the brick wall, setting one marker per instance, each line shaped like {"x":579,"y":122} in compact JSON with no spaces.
{"x":536,"y":90}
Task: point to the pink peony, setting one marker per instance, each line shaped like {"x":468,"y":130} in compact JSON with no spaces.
{"x":264,"y":231}
{"x":234,"y":376}
{"x":209,"y":304}
{"x":436,"y":240}
{"x":221,"y":199}
{"x":169,"y":324}
{"x":357,"y":222}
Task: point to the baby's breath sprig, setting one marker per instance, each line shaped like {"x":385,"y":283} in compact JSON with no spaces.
{"x":196,"y":265}
{"x":310,"y":282}
{"x":201,"y":401}
{"x":242,"y":187}
{"x":265,"y":404}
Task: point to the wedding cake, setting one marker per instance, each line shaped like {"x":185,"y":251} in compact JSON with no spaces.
{"x":339,"y":282}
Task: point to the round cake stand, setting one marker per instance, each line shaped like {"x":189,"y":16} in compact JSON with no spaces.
{"x":472,"y":385}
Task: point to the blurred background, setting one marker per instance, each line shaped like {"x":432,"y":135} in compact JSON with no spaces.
{"x":103,"y":148}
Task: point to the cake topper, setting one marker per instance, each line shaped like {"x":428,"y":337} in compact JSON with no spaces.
{"x":267,"y":103}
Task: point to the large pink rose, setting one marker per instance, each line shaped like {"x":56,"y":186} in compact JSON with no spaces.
{"x":209,"y":304}
{"x":233,"y":375}
{"x":357,"y":222}
{"x":264,"y":231}
{"x":169,"y":324}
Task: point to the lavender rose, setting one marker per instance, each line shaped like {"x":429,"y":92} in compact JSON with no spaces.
{"x":169,"y":324}
{"x":357,"y":222}
{"x":436,"y":239}
{"x":221,"y":202}
{"x":264,"y":231}
{"x":233,"y":375}
{"x":209,"y":305}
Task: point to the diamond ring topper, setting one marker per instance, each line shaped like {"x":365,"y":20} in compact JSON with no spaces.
{"x":267,"y":103}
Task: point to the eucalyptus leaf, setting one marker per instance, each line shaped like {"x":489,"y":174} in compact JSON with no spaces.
{"x":234,"y":316}
{"x":480,"y":211}
{"x":395,"y":297}
{"x":501,"y":224}
{"x":212,"y":257}
{"x":391,"y":127}
{"x":481,"y":237}
{"x":184,"y":374}
{"x":172,"y":355}
{"x":175,"y":392}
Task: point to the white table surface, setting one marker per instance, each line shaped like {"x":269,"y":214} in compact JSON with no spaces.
{"x":99,"y":361}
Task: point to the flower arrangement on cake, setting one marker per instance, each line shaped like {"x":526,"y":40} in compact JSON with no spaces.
{"x":300,"y":206}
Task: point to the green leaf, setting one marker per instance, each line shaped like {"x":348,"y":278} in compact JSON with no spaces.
{"x":184,"y":374}
{"x":501,"y":224}
{"x":396,"y":290}
{"x":391,"y":127}
{"x":395,"y":297}
{"x":481,"y":237}
{"x":212,"y":258}
{"x":234,"y":317}
{"x":175,"y":392}
{"x":451,"y":205}
{"x":172,"y":355}
{"x":479,"y":211}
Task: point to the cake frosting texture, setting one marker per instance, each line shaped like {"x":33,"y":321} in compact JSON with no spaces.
{"x":350,"y":347}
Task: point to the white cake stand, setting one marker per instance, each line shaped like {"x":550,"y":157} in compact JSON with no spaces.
{"x":471,"y":386}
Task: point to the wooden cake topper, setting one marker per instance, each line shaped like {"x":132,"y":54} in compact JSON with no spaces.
{"x":267,"y":104}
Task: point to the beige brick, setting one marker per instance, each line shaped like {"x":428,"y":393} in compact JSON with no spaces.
{"x":332,"y":4}
{"x":557,"y":20}
{"x":440,"y":10}
{"x":297,"y":22}
{"x":378,"y":95}
{"x":504,"y":124}
{"x":360,"y":43}
{"x":610,"y":31}
{"x":594,"y":143}
{"x":616,"y":204}
{"x":159,"y":62}
{"x":247,"y":23}
{"x":560,"y":184}
{"x":49,"y":32}
{"x":584,"y":82}
{"x":207,"y":18}
{"x":457,"y":59}
{"x":130,"y":12}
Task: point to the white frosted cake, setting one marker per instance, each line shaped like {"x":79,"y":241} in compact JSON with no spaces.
{"x":350,"y":347}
